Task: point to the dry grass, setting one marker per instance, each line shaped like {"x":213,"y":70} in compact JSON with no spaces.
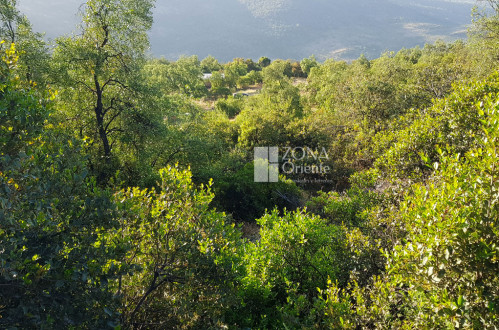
{"x":251,"y":90}
{"x":251,"y":231}
{"x":205,"y":104}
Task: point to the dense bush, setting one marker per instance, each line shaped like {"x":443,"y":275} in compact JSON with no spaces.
{"x":343,"y":208}
{"x":183,"y":254}
{"x":53,"y":273}
{"x":452,"y":124}
{"x":444,"y":271}
{"x":295,"y":255}
{"x":231,"y":106}
{"x":238,"y":194}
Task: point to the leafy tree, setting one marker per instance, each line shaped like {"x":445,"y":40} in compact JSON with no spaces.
{"x":278,"y":70}
{"x":376,"y":91}
{"x":326,"y":84}
{"x":486,"y":23}
{"x":308,"y":63}
{"x":255,"y":77}
{"x":33,"y":54}
{"x":363,"y":60}
{"x":296,"y":70}
{"x":252,"y":66}
{"x":243,"y":82}
{"x":55,"y":268}
{"x":234,"y":70}
{"x":210,"y":65}
{"x":237,"y":193}
{"x":264,"y":122}
{"x":100,"y":71}
{"x":182,"y":76}
{"x":185,"y":250}
{"x":452,"y":123}
{"x":295,"y":255}
{"x":10,"y":17}
{"x":201,"y":142}
{"x":279,"y":90}
{"x":264,"y":62}
{"x":439,"y":66}
{"x":343,"y":209}
{"x":442,"y":270}
{"x":219,"y":85}
{"x":231,"y":106}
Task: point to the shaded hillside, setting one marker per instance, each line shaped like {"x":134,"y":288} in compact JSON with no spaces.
{"x":281,"y":28}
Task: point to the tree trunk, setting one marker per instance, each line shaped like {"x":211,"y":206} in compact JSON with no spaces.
{"x":99,"y":116}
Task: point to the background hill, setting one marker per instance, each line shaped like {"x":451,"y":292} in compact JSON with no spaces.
{"x":281,"y":28}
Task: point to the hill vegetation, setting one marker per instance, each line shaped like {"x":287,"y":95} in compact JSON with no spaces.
{"x":127,"y":183}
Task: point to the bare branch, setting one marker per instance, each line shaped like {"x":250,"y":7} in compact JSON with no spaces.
{"x":114,"y":82}
{"x":111,"y":120}
{"x":86,"y":86}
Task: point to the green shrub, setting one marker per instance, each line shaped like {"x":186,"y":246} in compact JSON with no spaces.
{"x":231,"y":106}
{"x":296,"y":254}
{"x":53,"y":271}
{"x":443,"y":273}
{"x":349,"y":208}
{"x":238,"y":194}
{"x":184,"y":253}
{"x":452,"y":123}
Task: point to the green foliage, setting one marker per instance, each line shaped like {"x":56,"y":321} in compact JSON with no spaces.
{"x":319,"y":132}
{"x":343,"y":209}
{"x":378,"y":90}
{"x":231,"y":106}
{"x":255,"y":77}
{"x":252,"y":66}
{"x":54,"y":271}
{"x":485,"y":26}
{"x":453,"y":276}
{"x":324,"y":83}
{"x":296,"y":254}
{"x":238,"y":194}
{"x":234,"y":71}
{"x":185,"y":252}
{"x":279,"y":88}
{"x":277,"y":71}
{"x":265,"y":122}
{"x":410,"y":243}
{"x":219,"y":85}
{"x":198,"y":141}
{"x":452,"y":123}
{"x":243,"y":82}
{"x":10,"y":16}
{"x":182,"y":76}
{"x":296,"y":70}
{"x":264,"y":62}
{"x":210,"y":65}
{"x":266,"y":118}
{"x":308,"y":63}
{"x":22,"y":113}
{"x":354,"y":211}
{"x":102,"y":88}
{"x":32,"y":49}
{"x":443,"y":270}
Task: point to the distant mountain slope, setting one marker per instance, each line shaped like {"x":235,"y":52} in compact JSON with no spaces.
{"x":281,"y":28}
{"x":265,"y":8}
